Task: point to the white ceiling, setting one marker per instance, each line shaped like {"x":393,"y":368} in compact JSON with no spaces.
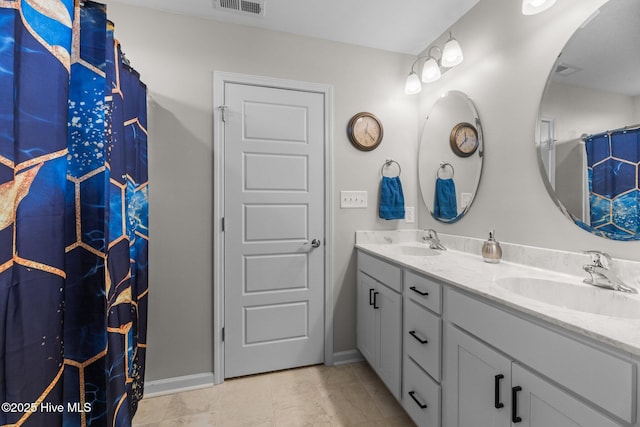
{"x":606,"y":50}
{"x":405,"y":26}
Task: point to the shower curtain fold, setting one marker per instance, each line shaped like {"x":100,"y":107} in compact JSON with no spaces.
{"x":73,"y":218}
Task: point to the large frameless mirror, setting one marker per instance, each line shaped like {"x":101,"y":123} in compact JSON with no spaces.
{"x":450,"y":157}
{"x":588,"y":138}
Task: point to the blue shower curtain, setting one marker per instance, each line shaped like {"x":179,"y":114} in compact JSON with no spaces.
{"x":73,"y":219}
{"x":613,"y":161}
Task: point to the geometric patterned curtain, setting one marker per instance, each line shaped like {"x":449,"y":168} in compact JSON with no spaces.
{"x":73,"y":218}
{"x":613,"y":163}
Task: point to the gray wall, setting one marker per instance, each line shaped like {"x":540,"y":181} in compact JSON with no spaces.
{"x":508,"y":57}
{"x":176,"y":56}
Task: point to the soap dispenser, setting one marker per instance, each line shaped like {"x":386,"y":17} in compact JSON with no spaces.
{"x":491,"y":250}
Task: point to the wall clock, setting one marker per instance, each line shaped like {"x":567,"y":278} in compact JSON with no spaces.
{"x":464,"y":139}
{"x":365,"y":131}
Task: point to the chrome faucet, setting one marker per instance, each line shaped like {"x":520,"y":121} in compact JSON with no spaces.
{"x":601,"y":274}
{"x":431,"y":236}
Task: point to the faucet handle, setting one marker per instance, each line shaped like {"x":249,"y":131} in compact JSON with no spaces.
{"x":597,"y":257}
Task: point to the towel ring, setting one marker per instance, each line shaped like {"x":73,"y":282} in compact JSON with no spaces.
{"x":442,"y":167}
{"x":388,"y":162}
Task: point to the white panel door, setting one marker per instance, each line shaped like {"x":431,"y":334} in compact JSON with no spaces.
{"x":274,"y":209}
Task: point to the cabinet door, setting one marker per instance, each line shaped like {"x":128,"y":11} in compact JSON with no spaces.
{"x":477,"y":385}
{"x":540,"y":404}
{"x":389,"y":347}
{"x":366,"y":318}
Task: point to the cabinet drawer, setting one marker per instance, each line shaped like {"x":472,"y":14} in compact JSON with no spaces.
{"x":421,"y":396}
{"x":598,"y":376}
{"x":424,"y":291}
{"x":382,"y":271}
{"x":423,"y":337}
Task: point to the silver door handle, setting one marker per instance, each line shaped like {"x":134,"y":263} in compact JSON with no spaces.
{"x":315,"y":243}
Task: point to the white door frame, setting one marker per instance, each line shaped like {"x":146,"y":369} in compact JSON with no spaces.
{"x":220,"y":78}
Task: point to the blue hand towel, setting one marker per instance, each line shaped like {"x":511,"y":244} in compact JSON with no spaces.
{"x":444,"y":204}
{"x":391,"y":198}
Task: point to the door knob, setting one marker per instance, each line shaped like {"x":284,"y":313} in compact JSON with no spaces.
{"x":315,"y":243}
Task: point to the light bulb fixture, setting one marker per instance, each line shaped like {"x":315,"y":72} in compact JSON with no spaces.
{"x":531,"y":7}
{"x":451,"y":53}
{"x":431,"y":69}
{"x":413,"y":85}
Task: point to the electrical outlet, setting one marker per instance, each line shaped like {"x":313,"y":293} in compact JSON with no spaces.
{"x":410,"y":215}
{"x":465,"y":199}
{"x":353,"y":199}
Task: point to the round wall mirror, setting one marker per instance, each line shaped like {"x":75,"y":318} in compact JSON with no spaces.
{"x":450,"y":157}
{"x":588,"y":138}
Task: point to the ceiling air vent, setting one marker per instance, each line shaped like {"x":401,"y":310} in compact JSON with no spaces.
{"x":254,"y":7}
{"x":566,"y":69}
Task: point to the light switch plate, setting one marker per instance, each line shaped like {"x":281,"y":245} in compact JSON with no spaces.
{"x":353,"y":199}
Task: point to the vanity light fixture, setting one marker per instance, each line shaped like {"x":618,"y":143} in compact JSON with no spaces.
{"x":450,"y":56}
{"x":531,"y":7}
{"x":452,"y":53}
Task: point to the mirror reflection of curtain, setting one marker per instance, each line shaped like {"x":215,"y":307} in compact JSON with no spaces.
{"x":73,"y":218}
{"x":613,"y":160}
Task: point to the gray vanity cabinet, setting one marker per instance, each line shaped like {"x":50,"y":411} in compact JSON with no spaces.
{"x":484,"y":385}
{"x":379,"y":318}
{"x":491,"y":356}
{"x":422,"y":337}
{"x":478,"y":379}
{"x":468,"y":361}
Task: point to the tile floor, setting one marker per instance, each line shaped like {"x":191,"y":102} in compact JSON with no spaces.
{"x":332,"y":396}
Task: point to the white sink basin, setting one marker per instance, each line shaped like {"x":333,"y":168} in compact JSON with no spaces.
{"x":412,"y":250}
{"x":575,"y":296}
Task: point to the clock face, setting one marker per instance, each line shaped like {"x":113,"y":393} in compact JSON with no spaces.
{"x":365,"y":131}
{"x":464,"y":139}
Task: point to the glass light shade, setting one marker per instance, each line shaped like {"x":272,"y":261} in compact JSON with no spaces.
{"x":451,"y":54}
{"x":413,"y":84}
{"x":431,"y":71}
{"x":531,"y":7}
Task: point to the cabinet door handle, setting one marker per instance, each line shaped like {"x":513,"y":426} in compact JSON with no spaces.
{"x":415,"y":399}
{"x":375,"y":300}
{"x":496,"y":389}
{"x":416,"y":290}
{"x":420,"y":340}
{"x":514,"y":404}
{"x":371,"y":296}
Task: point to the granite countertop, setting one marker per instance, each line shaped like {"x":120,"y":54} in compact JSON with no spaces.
{"x":469,"y":272}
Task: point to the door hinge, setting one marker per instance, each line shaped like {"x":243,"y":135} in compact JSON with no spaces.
{"x":222,"y":224}
{"x":222,"y":334}
{"x":223,"y":109}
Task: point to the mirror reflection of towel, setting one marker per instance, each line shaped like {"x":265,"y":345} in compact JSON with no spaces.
{"x":391,"y":198}
{"x":444,"y":203}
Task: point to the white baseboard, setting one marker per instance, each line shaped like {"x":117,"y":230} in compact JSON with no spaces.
{"x":198,"y":381}
{"x":177,"y":384}
{"x":349,"y":356}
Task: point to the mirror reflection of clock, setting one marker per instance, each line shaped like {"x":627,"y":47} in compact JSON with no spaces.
{"x":464,"y":139}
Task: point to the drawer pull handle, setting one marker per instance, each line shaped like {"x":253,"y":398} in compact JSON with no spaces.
{"x":420,"y":340}
{"x":514,"y":404}
{"x":415,"y":399}
{"x":371,"y":296}
{"x":496,"y":389}
{"x":375,"y":300}
{"x":416,"y":290}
